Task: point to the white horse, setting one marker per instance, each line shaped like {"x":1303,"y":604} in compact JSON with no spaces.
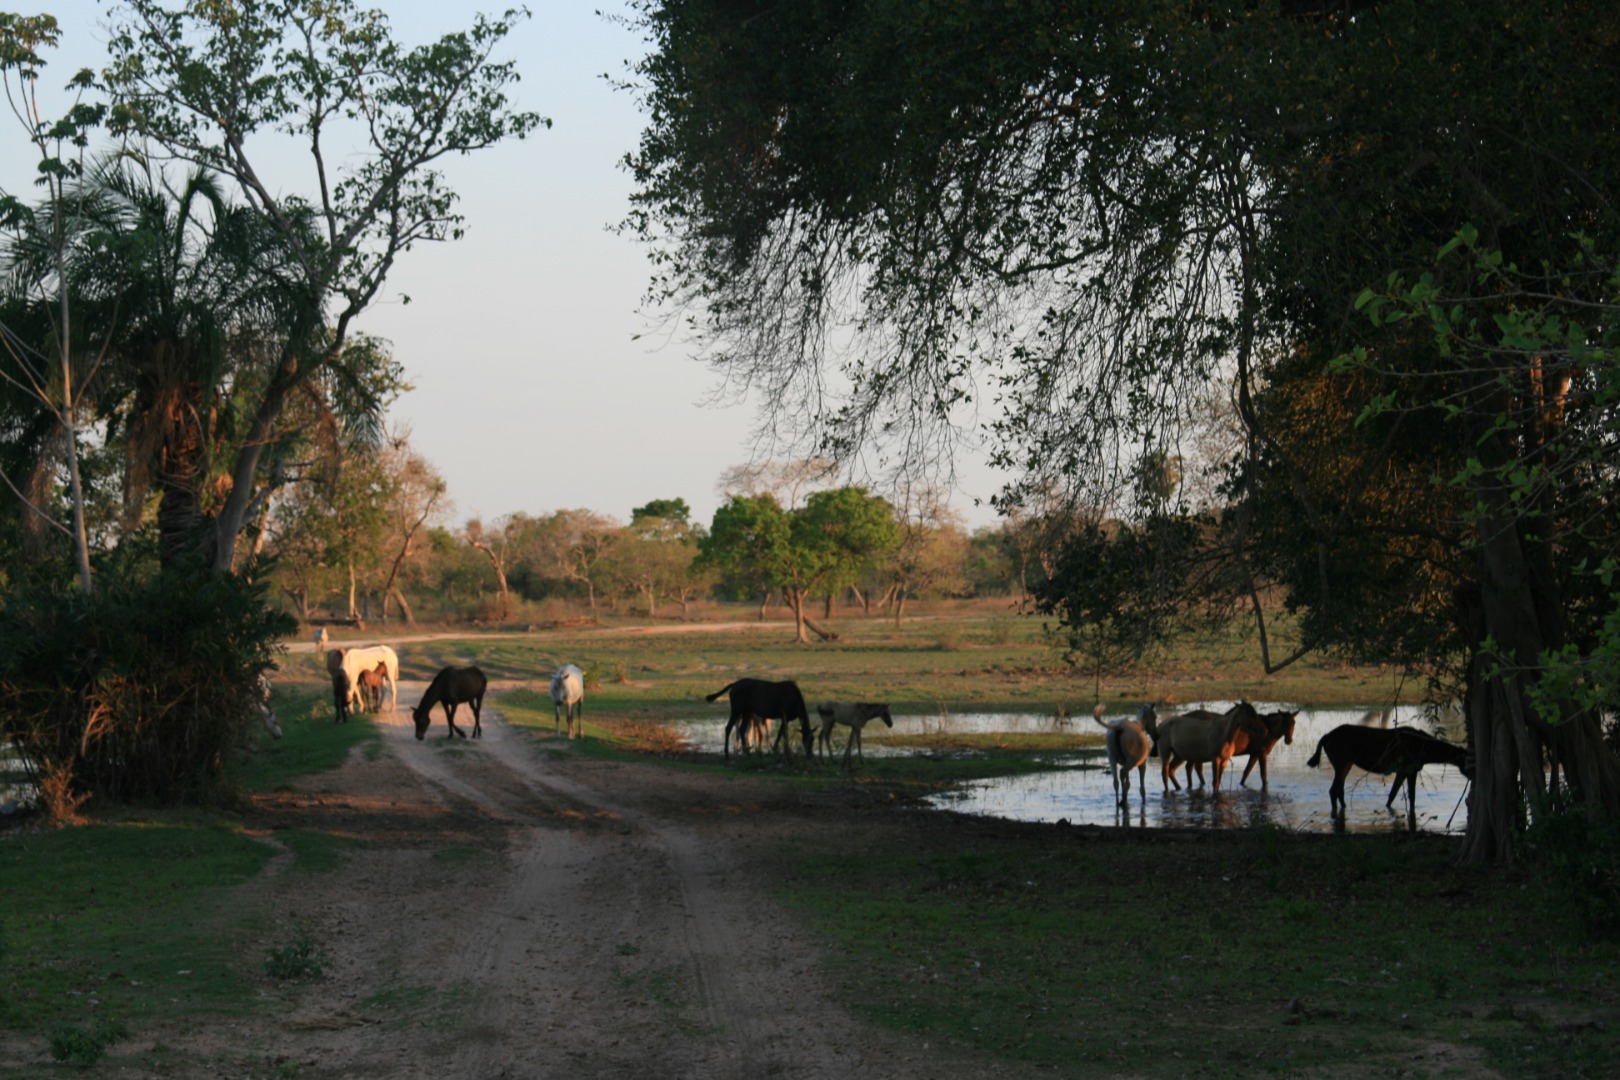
{"x":320,"y":639}
{"x":853,"y":715}
{"x":1128,"y":746}
{"x":354,"y":661}
{"x":568,"y":695}
{"x":272,"y":723}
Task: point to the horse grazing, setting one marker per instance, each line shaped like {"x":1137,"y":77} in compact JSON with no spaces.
{"x":1128,"y":745}
{"x":751,"y":698}
{"x":1398,"y":750}
{"x":853,"y":715}
{"x":568,"y":697}
{"x":1199,"y":736}
{"x":452,"y":686}
{"x":355,"y":661}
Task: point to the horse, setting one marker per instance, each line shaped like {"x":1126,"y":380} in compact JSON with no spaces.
{"x":1398,"y":750}
{"x":267,"y":715}
{"x":1199,"y":736}
{"x":568,"y":696}
{"x":355,"y":661}
{"x":1128,"y":746}
{"x":452,"y":686}
{"x":1279,"y":726}
{"x":1254,"y":745}
{"x":371,"y":686}
{"x":768,"y":701}
{"x":342,"y":691}
{"x":853,"y":715}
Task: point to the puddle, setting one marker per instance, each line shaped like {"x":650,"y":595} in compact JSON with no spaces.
{"x":1296,"y":799}
{"x":1077,"y":790}
{"x":15,"y":790}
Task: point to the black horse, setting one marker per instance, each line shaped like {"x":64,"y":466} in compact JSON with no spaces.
{"x":451,"y":687}
{"x":340,"y":695}
{"x":1402,"y":751}
{"x":751,"y":698}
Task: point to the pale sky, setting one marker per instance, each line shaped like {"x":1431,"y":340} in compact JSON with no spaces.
{"x":531,"y":392}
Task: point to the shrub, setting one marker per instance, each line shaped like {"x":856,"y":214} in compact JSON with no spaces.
{"x":1582,"y":857}
{"x":75,"y":1045}
{"x":143,"y":691}
{"x":301,"y":959}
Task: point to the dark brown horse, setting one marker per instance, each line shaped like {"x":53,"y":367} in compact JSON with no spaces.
{"x":751,"y":698}
{"x":451,"y":687}
{"x":1402,"y":751}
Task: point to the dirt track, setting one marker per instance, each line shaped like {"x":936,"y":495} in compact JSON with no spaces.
{"x":516,"y":911}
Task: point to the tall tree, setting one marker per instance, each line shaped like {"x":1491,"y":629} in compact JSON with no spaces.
{"x":48,"y":370}
{"x":1085,"y":213}
{"x":205,"y":85}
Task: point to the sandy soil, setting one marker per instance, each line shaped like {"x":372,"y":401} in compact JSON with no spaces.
{"x":518,"y":912}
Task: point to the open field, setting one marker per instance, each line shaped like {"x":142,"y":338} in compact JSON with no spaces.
{"x":526,"y":906}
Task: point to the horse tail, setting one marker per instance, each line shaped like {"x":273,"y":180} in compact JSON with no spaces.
{"x":718,"y":694}
{"x":1316,"y":758}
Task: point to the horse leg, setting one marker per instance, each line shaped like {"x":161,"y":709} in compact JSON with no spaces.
{"x":1336,"y":792}
{"x":450,"y":718}
{"x":478,"y":720}
{"x":1395,"y":789}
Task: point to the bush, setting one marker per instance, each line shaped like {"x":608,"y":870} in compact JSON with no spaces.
{"x":143,"y":691}
{"x":75,"y":1045}
{"x":301,"y":959}
{"x":1582,"y":857}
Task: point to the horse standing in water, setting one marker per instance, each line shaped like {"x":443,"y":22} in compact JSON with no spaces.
{"x":1128,"y":747}
{"x":451,"y":687}
{"x":1402,"y":751}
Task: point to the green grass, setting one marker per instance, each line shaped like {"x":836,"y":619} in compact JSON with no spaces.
{"x":952,"y":658}
{"x":310,"y":742}
{"x":123,"y":922}
{"x":1235,"y":957}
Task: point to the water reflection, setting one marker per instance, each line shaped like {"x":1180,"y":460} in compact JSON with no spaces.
{"x":1296,"y":798}
{"x":1078,"y":791}
{"x":16,"y":792}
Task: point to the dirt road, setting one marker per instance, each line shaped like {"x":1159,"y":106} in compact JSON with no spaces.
{"x":516,"y":911}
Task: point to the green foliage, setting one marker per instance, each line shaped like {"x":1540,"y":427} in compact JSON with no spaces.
{"x":1581,"y":857}
{"x":1122,"y":591}
{"x":84,"y":1046}
{"x":144,"y":691}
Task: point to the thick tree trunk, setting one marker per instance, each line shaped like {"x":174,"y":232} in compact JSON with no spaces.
{"x":1520,"y":619}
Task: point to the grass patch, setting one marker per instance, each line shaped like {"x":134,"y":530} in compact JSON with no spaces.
{"x":316,"y":852}
{"x":1010,"y":944}
{"x":311,"y":742}
{"x":122,"y":922}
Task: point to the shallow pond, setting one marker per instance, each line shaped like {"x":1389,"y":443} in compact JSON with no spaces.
{"x":1077,"y":788}
{"x":15,"y":790}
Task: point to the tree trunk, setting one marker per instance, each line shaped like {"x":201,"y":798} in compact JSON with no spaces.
{"x":353,"y":613}
{"x":795,"y":599}
{"x":404,"y":608}
{"x":764,"y":602}
{"x":1509,"y":734}
{"x":899,"y":604}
